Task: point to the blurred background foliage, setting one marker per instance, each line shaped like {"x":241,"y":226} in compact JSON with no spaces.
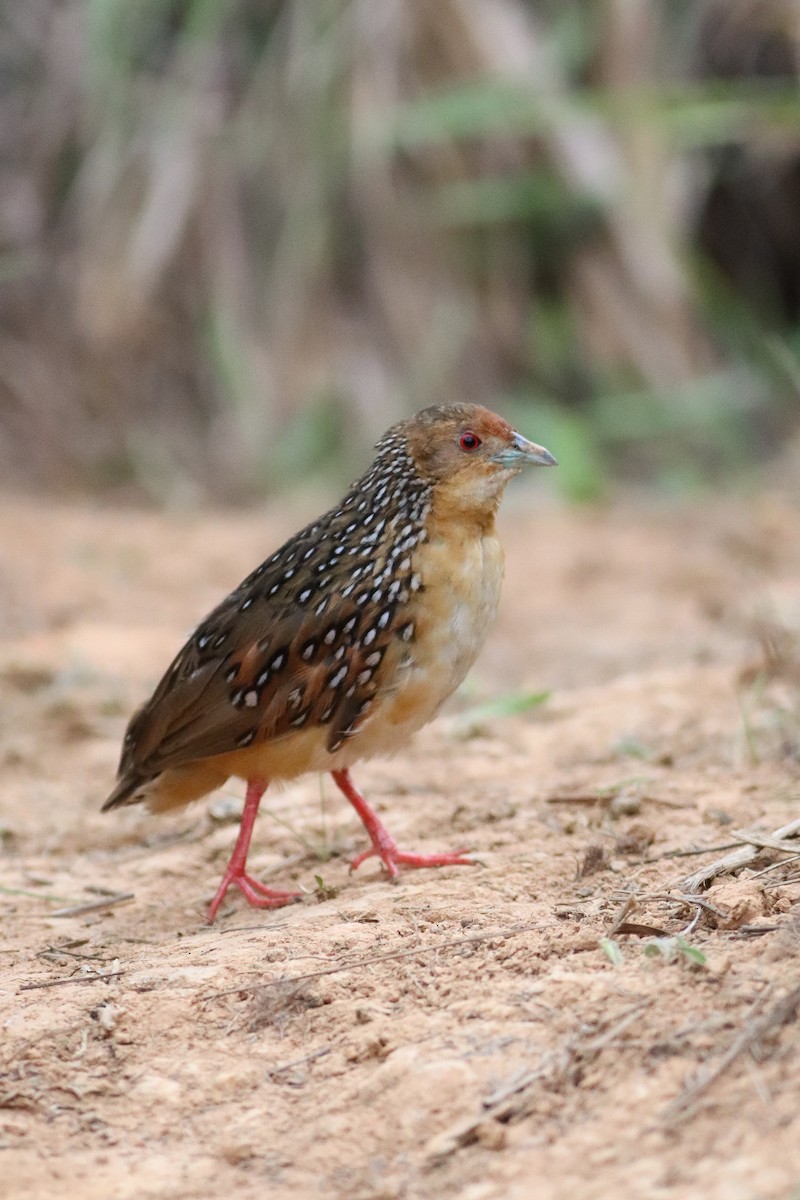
{"x":239,"y":239}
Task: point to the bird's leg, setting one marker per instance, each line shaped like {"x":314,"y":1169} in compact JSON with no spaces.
{"x":255,"y":893}
{"x":383,"y":844}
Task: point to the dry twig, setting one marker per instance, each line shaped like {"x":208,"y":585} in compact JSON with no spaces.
{"x":48,"y":983}
{"x":298,"y":1062}
{"x":621,"y":924}
{"x":781,"y":1013}
{"x":78,"y":910}
{"x":765,"y":841}
{"x":414,"y":952}
{"x":740,"y":857}
{"x":514,"y":1098}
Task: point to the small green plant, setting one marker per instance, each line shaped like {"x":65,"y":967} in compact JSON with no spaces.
{"x":629,"y":746}
{"x":472,"y":723}
{"x":324,"y":891}
{"x":747,"y":706}
{"x":671,"y":948}
{"x":612,"y":951}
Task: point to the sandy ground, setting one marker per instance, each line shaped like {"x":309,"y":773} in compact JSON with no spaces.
{"x":551,"y":1023}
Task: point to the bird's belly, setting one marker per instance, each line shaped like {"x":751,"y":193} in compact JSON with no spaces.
{"x":454,"y":615}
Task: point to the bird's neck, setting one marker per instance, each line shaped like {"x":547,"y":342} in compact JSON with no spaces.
{"x":451,"y":512}
{"x":468,"y":503}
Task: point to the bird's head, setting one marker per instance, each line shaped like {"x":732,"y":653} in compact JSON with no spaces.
{"x":469,"y":453}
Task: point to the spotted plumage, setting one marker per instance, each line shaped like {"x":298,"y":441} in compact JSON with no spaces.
{"x":347,"y":638}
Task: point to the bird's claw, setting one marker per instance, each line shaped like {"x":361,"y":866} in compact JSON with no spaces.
{"x":391,"y":856}
{"x":255,"y":893}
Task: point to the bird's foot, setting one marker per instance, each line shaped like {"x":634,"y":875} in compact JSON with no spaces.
{"x":254,"y":892}
{"x":386,"y":849}
{"x":383,"y":845}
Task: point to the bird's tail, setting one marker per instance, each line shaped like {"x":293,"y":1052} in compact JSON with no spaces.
{"x":129,"y":790}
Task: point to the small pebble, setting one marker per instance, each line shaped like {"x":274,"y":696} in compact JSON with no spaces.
{"x":625,"y":804}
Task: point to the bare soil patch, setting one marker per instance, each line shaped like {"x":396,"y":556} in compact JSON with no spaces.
{"x":563,"y":1020}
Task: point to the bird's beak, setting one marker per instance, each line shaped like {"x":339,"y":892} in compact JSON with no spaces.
{"x":522,"y":453}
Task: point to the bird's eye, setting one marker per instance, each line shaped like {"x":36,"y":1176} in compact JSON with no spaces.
{"x":469,"y":441}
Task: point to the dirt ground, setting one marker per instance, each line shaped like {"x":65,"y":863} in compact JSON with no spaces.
{"x":554,"y":1022}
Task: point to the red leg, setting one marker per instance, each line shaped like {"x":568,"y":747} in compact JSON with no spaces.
{"x":383,"y":844}
{"x":255,"y":893}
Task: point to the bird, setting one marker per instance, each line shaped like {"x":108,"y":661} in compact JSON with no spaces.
{"x":343,"y":643}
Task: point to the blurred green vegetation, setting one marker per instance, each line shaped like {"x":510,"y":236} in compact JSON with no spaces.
{"x":239,"y":240}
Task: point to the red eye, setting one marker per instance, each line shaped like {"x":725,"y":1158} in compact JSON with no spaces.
{"x":469,"y":441}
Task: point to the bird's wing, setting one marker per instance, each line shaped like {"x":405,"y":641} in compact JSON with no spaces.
{"x":258,"y":671}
